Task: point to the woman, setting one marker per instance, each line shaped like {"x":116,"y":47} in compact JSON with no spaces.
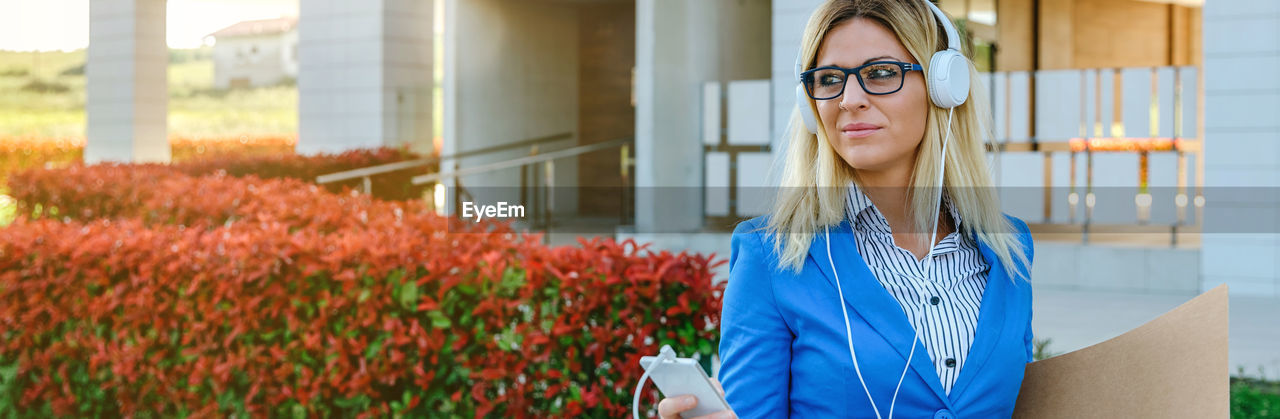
{"x":831,"y":294}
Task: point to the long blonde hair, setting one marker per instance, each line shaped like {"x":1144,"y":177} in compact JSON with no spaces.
{"x":812,"y":195}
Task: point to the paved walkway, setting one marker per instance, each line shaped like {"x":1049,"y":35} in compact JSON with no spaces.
{"x":1077,"y":319}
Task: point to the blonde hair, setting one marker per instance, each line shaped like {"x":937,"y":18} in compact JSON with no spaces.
{"x":812,"y":195}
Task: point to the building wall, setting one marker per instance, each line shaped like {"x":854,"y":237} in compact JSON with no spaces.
{"x":1242,"y":146}
{"x":1096,"y":34}
{"x":511,"y":74}
{"x":289,"y":53}
{"x":607,"y":56}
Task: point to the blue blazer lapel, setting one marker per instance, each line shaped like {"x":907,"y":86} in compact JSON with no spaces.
{"x":865,"y":296}
{"x":991,"y":320}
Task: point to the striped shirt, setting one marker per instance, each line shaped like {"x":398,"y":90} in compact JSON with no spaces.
{"x":952,"y":291}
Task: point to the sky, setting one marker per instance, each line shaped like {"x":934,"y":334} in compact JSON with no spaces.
{"x":27,"y":25}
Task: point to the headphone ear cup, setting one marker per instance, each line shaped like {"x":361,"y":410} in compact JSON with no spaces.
{"x":948,"y":79}
{"x":806,"y":113}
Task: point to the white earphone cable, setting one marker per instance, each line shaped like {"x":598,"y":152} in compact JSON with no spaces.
{"x":915,"y":319}
{"x":928,"y":258}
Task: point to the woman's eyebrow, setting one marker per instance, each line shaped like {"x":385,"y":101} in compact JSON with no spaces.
{"x":865,"y":62}
{"x":877,"y":59}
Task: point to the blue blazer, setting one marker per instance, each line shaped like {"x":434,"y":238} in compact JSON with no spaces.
{"x":784,"y":354}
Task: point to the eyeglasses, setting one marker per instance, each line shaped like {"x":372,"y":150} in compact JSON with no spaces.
{"x":876,"y":78}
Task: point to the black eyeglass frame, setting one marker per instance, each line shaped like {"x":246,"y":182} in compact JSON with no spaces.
{"x":806,"y":77}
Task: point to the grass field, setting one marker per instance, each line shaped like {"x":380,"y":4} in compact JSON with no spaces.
{"x":42,"y":94}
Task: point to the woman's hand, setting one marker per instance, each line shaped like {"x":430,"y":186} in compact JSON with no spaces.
{"x":671,"y":407}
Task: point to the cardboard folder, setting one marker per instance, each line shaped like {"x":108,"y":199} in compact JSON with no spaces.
{"x":1172,"y":367}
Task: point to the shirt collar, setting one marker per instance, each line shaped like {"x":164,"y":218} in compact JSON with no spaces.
{"x":866,"y":216}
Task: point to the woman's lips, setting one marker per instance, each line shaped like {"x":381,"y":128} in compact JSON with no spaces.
{"x":858,"y":130}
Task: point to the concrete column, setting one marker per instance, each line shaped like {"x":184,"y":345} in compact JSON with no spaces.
{"x":789,"y":18}
{"x":365,"y":74}
{"x":127,"y":94}
{"x":679,"y":46}
{"x":668,"y":148}
{"x":1241,"y":246}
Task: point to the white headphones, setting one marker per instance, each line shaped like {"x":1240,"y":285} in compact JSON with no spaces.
{"x":948,"y":84}
{"x":947,"y":75}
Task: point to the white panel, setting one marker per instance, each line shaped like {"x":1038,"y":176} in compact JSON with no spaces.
{"x":711,"y":113}
{"x":1106,"y":83}
{"x":1162,"y":177}
{"x":716,"y":198}
{"x":1021,"y":185}
{"x":1019,"y":103}
{"x":999,"y":106}
{"x":749,"y":112}
{"x":1060,"y":187}
{"x":1115,"y":184}
{"x":1165,"y":88}
{"x":1090,"y":98}
{"x":1136,"y":102}
{"x":1189,"y":100}
{"x":753,"y":197}
{"x":1057,"y":104}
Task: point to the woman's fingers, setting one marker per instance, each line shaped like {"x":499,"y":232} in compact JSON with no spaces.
{"x":716,"y":383}
{"x":670,"y":408}
{"x":723,"y":414}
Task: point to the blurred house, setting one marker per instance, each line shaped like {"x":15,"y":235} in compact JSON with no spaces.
{"x":255,"y":53}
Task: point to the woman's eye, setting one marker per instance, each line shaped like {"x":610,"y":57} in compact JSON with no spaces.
{"x":828,"y":80}
{"x":881,"y":73}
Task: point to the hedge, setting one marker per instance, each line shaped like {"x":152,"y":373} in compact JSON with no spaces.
{"x":275,"y":297}
{"x":267,"y":156}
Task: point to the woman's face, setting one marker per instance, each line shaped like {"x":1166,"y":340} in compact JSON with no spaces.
{"x":872,"y":133}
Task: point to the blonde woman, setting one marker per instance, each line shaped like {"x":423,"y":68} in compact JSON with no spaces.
{"x":868,"y":291}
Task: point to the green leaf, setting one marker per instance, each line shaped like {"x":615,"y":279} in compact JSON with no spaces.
{"x":409,"y":295}
{"x":374,"y":347}
{"x":438,"y":319}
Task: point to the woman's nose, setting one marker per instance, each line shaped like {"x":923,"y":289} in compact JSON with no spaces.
{"x":853,"y":97}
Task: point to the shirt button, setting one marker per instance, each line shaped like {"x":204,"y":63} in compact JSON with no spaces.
{"x":951,"y":362}
{"x":943,"y":414}
{"x":935,"y":300}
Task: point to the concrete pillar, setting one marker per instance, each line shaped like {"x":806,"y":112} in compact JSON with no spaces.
{"x":365,"y":74}
{"x":679,"y":46}
{"x":1241,"y":247}
{"x":789,"y":18}
{"x":668,"y":149}
{"x":127,"y":94}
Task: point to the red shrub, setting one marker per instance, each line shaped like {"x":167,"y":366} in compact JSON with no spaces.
{"x":334,"y":305}
{"x":187,"y":148}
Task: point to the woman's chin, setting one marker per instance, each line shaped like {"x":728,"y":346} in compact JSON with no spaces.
{"x":864,"y":158}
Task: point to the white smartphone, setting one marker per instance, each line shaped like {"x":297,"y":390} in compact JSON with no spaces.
{"x":680,"y":376}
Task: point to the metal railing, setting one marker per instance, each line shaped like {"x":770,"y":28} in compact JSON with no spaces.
{"x":538,"y":195}
{"x":365,"y":173}
{"x":1090,"y":112}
